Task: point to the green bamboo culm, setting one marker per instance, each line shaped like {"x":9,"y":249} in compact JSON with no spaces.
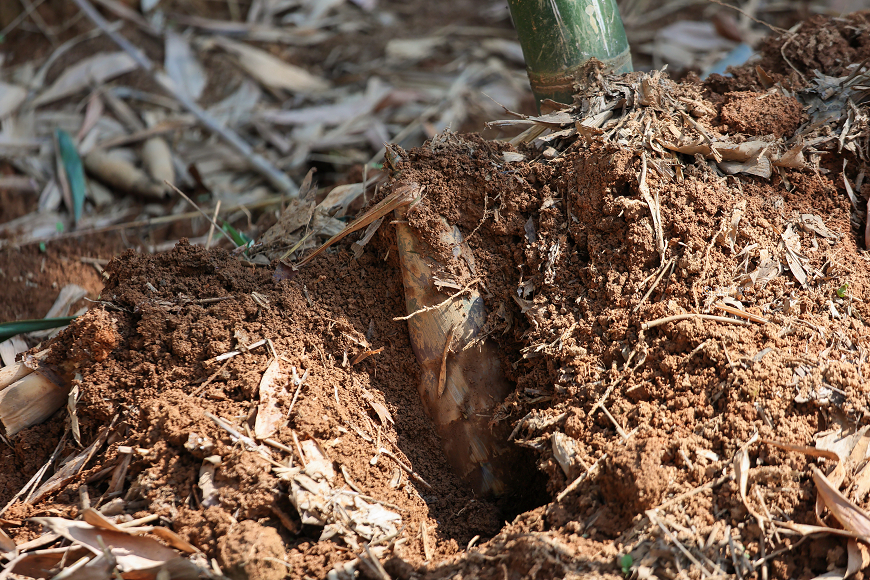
{"x":559,"y":36}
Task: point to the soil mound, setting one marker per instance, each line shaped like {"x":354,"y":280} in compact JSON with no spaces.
{"x":675,"y":275}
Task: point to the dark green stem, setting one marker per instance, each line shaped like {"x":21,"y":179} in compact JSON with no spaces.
{"x":559,"y":36}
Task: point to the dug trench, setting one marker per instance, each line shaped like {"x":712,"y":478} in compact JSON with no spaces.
{"x":663,"y":305}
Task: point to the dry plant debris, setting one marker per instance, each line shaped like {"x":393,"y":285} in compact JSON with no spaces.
{"x":675,"y":274}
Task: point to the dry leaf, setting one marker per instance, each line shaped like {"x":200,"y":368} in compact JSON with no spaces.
{"x":852,"y":518}
{"x":316,"y":500}
{"x":793,"y":158}
{"x":11,"y":97}
{"x":333,"y":114}
{"x":859,"y":556}
{"x":791,"y":248}
{"x":8,"y":549}
{"x":85,"y":74}
{"x":183,"y":67}
{"x":271,"y":70}
{"x":44,"y":563}
{"x":565,"y":452}
{"x":741,"y":474}
{"x":71,"y":401}
{"x":381,"y":410}
{"x":130,"y":552}
{"x":270,"y":415}
{"x":98,"y":520}
{"x":210,"y":494}
{"x":814,"y":223}
{"x":71,"y":468}
{"x":730,"y":233}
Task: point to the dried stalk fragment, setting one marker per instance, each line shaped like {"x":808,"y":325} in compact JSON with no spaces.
{"x":30,"y":401}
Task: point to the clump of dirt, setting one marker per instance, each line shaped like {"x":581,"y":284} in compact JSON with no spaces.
{"x":634,"y":479}
{"x":761,"y":114}
{"x":662,"y":300}
{"x":250,"y":550}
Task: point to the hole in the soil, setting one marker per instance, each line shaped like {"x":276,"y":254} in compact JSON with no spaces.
{"x":623,"y":189}
{"x":531,"y":495}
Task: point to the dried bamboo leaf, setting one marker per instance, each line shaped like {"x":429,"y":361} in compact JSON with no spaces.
{"x":861,"y":484}
{"x":71,"y":468}
{"x":90,"y":72}
{"x":811,"y":451}
{"x":859,"y":557}
{"x":732,"y":229}
{"x":171,"y":538}
{"x":794,"y":264}
{"x":11,"y":97}
{"x":759,"y":166}
{"x":183,"y":67}
{"x":814,"y":223}
{"x":336,"y":202}
{"x":271,"y":70}
{"x":210,"y":494}
{"x":741,"y":474}
{"x":98,"y":520}
{"x":565,"y":453}
{"x":93,"y":115}
{"x":131,"y":553}
{"x":42,"y":563}
{"x":793,"y":158}
{"x":404,"y":195}
{"x":382,"y":411}
{"x":8,"y":549}
{"x":332,"y":114}
{"x":270,"y":415}
{"x":852,"y":517}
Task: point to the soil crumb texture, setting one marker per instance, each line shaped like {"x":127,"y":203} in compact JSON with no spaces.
{"x":675,"y":286}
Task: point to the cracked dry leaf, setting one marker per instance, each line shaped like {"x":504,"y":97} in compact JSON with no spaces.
{"x":759,"y":166}
{"x":340,"y":512}
{"x":731,"y":231}
{"x":131,"y":553}
{"x":565,"y":452}
{"x":270,"y":415}
{"x":98,"y":520}
{"x":791,"y":250}
{"x":381,"y":410}
{"x":793,"y":158}
{"x":813,"y":223}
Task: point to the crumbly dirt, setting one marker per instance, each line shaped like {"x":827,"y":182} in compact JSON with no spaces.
{"x":566,"y":252}
{"x":761,"y":114}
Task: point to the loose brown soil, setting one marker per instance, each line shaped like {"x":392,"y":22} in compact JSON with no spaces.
{"x":566,"y":251}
